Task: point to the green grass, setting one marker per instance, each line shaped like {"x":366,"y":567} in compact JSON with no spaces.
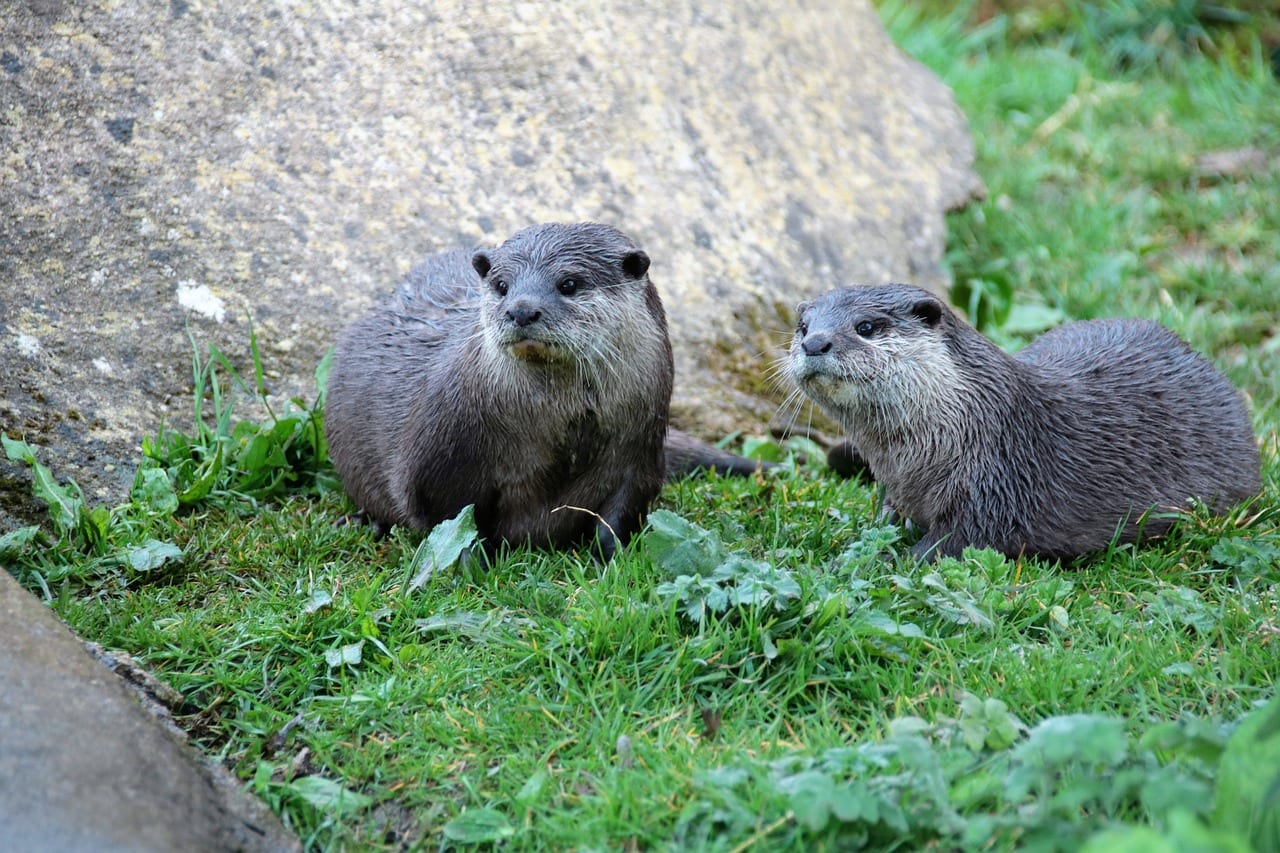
{"x":795,"y":682}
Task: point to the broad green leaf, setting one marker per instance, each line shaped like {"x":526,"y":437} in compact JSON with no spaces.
{"x":1031,"y":319}
{"x":93,"y":524}
{"x":1088,"y":738}
{"x":204,"y":478}
{"x":65,"y":502}
{"x":767,"y":645}
{"x":317,"y":599}
{"x":531,"y":791}
{"x":1187,"y":737}
{"x":322,"y":378}
{"x":479,"y":826}
{"x":153,"y":490}
{"x":764,"y":448}
{"x":1184,"y":834}
{"x":329,"y":796}
{"x":809,"y":793}
{"x":1249,"y":558}
{"x":15,"y":543}
{"x":1247,"y":800}
{"x":1129,"y":839}
{"x":443,"y":546}
{"x":151,"y":555}
{"x":350,"y":655}
{"x":17,"y":450}
{"x":468,"y":623}
{"x":851,"y":802}
{"x":682,"y":547}
{"x":878,"y":622}
{"x":1185,"y":607}
{"x":1168,"y":789}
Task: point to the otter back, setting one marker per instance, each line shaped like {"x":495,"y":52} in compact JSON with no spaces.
{"x":1096,"y":432}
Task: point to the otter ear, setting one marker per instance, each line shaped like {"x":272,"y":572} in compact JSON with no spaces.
{"x":929,"y":310}
{"x":482,"y":263}
{"x":635,"y":263}
{"x":803,"y":307}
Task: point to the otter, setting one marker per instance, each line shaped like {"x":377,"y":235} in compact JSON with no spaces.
{"x":532,"y":380}
{"x":1087,"y":436}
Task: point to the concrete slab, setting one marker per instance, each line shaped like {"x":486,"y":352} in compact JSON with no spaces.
{"x":84,"y":767}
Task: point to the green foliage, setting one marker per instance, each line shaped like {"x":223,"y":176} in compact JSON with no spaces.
{"x":225,"y":458}
{"x":443,"y":547}
{"x":325,"y":796}
{"x":720,"y":580}
{"x":1254,"y":558}
{"x":231,"y":463}
{"x":478,"y":826}
{"x":1141,"y":34}
{"x":1067,"y":780}
{"x":72,"y":518}
{"x":1247,"y":799}
{"x":17,"y":543}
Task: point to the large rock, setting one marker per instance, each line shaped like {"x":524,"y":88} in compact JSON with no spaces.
{"x":176,"y":167}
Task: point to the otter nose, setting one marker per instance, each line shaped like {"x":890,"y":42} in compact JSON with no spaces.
{"x":522,"y":313}
{"x":816,"y":344}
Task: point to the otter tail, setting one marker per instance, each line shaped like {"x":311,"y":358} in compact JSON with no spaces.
{"x":686,"y":455}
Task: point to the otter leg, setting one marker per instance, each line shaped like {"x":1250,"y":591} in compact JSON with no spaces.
{"x":605,"y":544}
{"x":938,"y":542}
{"x":360,"y":517}
{"x":622,"y":514}
{"x":846,"y":461}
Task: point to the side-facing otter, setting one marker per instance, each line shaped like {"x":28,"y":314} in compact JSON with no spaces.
{"x":532,"y":380}
{"x":1055,"y":451}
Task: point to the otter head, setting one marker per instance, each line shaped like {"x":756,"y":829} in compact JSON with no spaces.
{"x":874,"y":358}
{"x":564,"y":295}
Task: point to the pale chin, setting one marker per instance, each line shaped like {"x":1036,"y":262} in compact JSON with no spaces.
{"x":534,"y":352}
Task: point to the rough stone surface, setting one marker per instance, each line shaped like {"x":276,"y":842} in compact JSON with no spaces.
{"x":84,"y":767}
{"x":167,"y":167}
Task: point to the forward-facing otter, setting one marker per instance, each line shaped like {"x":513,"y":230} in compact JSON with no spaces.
{"x":532,"y":380}
{"x":1055,"y":451}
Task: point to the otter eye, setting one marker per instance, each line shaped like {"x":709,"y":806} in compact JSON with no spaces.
{"x":568,"y":286}
{"x":499,"y":286}
{"x":865,"y":329}
{"x":802,"y":328}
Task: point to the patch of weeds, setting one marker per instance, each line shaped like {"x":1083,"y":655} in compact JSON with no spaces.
{"x":90,"y":542}
{"x":1252,"y":559}
{"x":1140,"y":34}
{"x":985,"y":778}
{"x":72,"y":517}
{"x":223,"y":462}
{"x":709,"y":579}
{"x":243,"y":460}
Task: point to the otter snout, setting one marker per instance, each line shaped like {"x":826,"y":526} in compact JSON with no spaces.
{"x":816,"y":344}
{"x":523,"y":312}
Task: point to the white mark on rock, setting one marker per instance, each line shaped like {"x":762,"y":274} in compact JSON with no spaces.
{"x":199,"y":299}
{"x":28,"y":345}
{"x":97,"y":278}
{"x":103,"y":365}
